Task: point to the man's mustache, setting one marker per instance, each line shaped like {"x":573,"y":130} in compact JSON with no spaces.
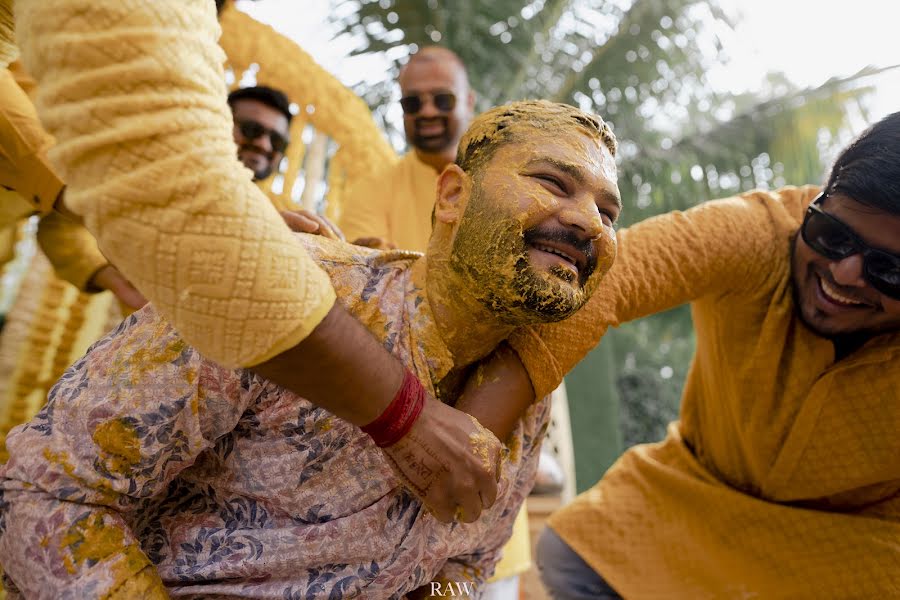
{"x":536,"y":235}
{"x":257,"y":149}
{"x":422,"y":121}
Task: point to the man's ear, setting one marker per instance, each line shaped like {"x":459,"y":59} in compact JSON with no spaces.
{"x":452,"y":185}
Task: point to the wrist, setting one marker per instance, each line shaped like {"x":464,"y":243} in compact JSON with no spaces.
{"x":400,"y":415}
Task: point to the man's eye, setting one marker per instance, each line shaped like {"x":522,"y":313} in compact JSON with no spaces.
{"x":553,"y":180}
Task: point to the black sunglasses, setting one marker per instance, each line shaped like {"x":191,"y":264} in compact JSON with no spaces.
{"x":443,"y":101}
{"x":252,"y":130}
{"x":834,"y":239}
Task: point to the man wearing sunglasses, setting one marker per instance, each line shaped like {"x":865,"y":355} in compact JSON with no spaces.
{"x":781,"y":478}
{"x":393,"y":207}
{"x":262,"y":120}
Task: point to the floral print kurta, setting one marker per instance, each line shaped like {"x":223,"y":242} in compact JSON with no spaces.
{"x":230,"y":485}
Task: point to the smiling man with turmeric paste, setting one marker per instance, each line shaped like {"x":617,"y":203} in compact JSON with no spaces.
{"x":152,"y":469}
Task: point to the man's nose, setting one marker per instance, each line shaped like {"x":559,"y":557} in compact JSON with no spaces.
{"x":581,"y":213}
{"x":263,"y":141}
{"x":848,"y":271}
{"x":428,"y":108}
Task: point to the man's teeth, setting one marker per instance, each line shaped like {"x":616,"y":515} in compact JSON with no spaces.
{"x":834,"y":295}
{"x":559,"y":253}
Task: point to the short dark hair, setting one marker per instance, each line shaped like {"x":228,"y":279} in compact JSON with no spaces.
{"x":868,"y":170}
{"x":268,"y":96}
{"x":503,"y":124}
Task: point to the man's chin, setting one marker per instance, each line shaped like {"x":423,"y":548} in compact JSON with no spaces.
{"x":432,"y":145}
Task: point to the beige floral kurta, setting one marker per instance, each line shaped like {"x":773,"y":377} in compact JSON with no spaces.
{"x":230,"y":485}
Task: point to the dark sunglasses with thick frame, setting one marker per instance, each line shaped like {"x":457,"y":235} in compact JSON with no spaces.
{"x":443,"y":101}
{"x":832,"y":238}
{"x":252,"y":129}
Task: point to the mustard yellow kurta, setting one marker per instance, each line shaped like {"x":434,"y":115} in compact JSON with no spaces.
{"x":23,"y":147}
{"x":781,"y":479}
{"x":145,"y":122}
{"x":395,"y":204}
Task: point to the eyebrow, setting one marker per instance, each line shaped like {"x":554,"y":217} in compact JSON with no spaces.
{"x":573,"y":171}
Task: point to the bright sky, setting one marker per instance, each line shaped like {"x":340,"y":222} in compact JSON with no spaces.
{"x":809,"y":40}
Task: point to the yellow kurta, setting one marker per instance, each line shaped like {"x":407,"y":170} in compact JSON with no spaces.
{"x":146,"y":124}
{"x":395,"y":204}
{"x":781,"y":479}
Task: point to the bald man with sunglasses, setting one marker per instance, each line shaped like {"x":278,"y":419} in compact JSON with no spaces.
{"x":392,"y":209}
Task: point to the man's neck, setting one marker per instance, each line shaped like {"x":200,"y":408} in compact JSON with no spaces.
{"x":435,"y":161}
{"x":468,"y":330}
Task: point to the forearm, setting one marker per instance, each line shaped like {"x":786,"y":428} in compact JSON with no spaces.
{"x":498,"y":393}
{"x":339,"y":366}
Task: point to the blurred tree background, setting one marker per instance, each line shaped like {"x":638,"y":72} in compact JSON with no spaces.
{"x":642,"y":65}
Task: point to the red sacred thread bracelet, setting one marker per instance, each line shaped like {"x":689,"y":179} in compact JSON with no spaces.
{"x":399,"y":416}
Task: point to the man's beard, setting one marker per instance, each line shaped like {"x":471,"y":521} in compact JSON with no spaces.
{"x":431,"y":144}
{"x":490,"y":253}
{"x":262,"y":173}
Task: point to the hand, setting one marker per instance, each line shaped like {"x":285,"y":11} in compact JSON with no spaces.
{"x":376,"y":243}
{"x":449,"y":461}
{"x":110,"y":278}
{"x":304,"y":221}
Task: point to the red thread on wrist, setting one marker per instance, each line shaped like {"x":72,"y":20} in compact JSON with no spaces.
{"x":399,"y":416}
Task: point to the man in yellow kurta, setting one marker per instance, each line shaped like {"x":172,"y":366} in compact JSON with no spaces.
{"x":147,"y":153}
{"x":781,"y":479}
{"x":393,"y":207}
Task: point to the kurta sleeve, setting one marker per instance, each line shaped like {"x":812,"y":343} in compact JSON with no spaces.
{"x":717,"y":247}
{"x":71,"y":249}
{"x":364,"y":211}
{"x":116,"y":430}
{"x":134,"y":94}
{"x":23,"y":148}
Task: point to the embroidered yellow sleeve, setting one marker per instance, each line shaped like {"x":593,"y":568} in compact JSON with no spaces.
{"x":144,"y":142}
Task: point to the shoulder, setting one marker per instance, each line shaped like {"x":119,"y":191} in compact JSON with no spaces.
{"x":350,"y":266}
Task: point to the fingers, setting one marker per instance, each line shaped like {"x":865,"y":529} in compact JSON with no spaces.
{"x":299,"y":222}
{"x":374,"y":242}
{"x":469,"y":507}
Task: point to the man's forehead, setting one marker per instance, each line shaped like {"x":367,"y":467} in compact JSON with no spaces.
{"x":435,"y":72}
{"x":260,"y":111}
{"x":574,"y":147}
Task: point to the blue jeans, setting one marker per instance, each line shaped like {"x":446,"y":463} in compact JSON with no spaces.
{"x":565,"y":575}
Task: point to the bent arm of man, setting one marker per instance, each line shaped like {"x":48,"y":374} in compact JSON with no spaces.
{"x":117,"y":429}
{"x":717,"y":247}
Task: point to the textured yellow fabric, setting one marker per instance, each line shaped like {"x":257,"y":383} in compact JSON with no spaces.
{"x":23,"y":147}
{"x":324,"y":102}
{"x":781,"y":479}
{"x":144,"y":141}
{"x":8,"y":50}
{"x":394,"y":204}
{"x":71,"y":248}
